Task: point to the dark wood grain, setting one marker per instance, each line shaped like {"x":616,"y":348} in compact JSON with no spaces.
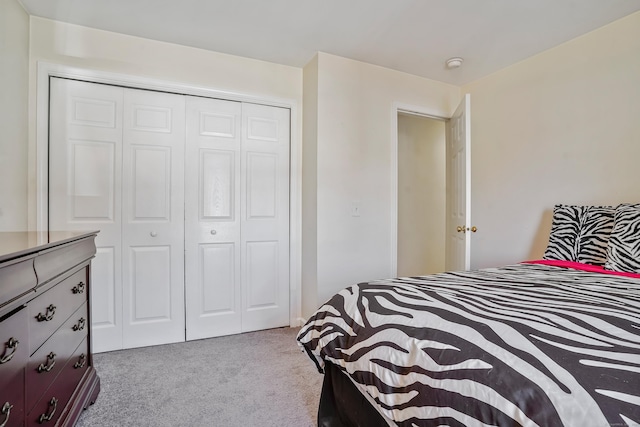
{"x":13,"y":327}
{"x":48,"y":378}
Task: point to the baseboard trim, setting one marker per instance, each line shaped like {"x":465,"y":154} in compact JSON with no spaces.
{"x":297,"y":322}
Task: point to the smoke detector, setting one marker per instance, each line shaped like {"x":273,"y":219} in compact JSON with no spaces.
{"x":453,"y":63}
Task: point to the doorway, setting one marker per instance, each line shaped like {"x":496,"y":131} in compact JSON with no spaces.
{"x":421,"y":192}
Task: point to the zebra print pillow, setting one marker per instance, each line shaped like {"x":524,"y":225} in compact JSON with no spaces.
{"x":565,"y":228}
{"x":623,"y":253}
{"x":593,"y":236}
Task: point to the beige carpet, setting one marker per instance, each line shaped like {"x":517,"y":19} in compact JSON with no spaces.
{"x":253,"y":379}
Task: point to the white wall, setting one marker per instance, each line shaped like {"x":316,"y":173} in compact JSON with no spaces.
{"x":560,"y":127}
{"x":422,"y":201}
{"x":14,"y":97}
{"x":82,"y":47}
{"x":354,"y":115}
{"x":309,"y":188}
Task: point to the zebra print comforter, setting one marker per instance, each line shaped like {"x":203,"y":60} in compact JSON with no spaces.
{"x":530,"y":345}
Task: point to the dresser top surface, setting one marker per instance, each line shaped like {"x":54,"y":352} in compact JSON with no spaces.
{"x":15,"y":244}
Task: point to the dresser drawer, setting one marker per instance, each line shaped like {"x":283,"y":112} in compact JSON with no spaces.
{"x":49,"y":310}
{"x":53,"y":401}
{"x":49,"y":408}
{"x":14,"y":345}
{"x":57,"y":260}
{"x":17,"y":279}
{"x":79,"y":363}
{"x":49,"y":360}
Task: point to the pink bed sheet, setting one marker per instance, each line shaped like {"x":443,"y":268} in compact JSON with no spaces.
{"x":581,"y":266}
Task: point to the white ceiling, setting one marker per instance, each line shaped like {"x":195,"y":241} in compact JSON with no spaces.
{"x":415,"y":36}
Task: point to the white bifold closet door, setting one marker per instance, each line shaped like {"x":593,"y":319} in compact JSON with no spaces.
{"x":236,"y":217}
{"x":85,"y":189}
{"x":116,"y":164}
{"x":178,"y":186}
{"x":153,"y":218}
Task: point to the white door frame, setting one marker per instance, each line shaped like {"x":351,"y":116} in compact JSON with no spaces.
{"x":415,"y":110}
{"x":46,"y":70}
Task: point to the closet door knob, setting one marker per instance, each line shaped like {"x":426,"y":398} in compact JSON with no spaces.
{"x":214,"y":232}
{"x":153,"y":233}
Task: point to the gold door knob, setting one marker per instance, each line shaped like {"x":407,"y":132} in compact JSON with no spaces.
{"x":460,"y":229}
{"x":474,"y":229}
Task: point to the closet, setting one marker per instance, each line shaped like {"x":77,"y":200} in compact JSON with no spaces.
{"x":191,"y":197}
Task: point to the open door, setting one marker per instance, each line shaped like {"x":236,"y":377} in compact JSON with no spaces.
{"x":459,"y":188}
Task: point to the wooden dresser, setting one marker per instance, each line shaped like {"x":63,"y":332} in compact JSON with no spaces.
{"x":46,"y":367}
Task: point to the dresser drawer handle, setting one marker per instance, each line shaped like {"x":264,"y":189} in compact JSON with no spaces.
{"x":46,"y":316}
{"x":80,"y":325}
{"x":79,"y":288}
{"x":81,"y":361}
{"x":53,"y":405}
{"x":6,"y":410}
{"x":12,"y":344}
{"x":49,"y":364}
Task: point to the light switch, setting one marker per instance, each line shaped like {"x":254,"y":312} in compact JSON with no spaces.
{"x":355,"y":208}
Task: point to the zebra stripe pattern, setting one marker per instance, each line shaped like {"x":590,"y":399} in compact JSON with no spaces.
{"x":565,"y":228}
{"x":522,"y":345}
{"x":624,"y":243}
{"x":595,"y":228}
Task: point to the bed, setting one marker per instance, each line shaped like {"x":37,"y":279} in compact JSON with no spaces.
{"x":554,"y":342}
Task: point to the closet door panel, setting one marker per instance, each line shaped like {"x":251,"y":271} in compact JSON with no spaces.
{"x":212,"y":218}
{"x":150,"y":198}
{"x":85,"y":168}
{"x":217,"y":185}
{"x":265,"y":217}
{"x":262,"y":275}
{"x":91,"y":180}
{"x":217,"y":262}
{"x":262,"y":189}
{"x":150,"y":278}
{"x":153,"y":218}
